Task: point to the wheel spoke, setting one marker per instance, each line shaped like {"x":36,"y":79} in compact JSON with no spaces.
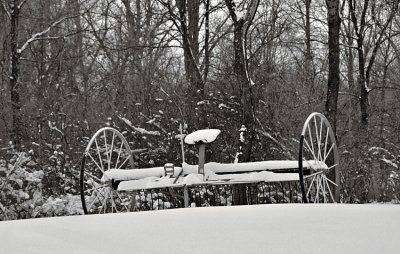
{"x":317,"y":191}
{"x":106,"y":148}
{"x":331,"y":167}
{"x":112,"y":148}
{"x":329,"y":180}
{"x":317,"y":138}
{"x":323,"y":187}
{"x":330,"y":192}
{"x":317,"y":173}
{"x":97,"y":189}
{"x":123,"y":163}
{"x":312,"y":141}
{"x":98,"y":181}
{"x":330,"y":149}
{"x":119,"y":153}
{"x":308,"y":146}
{"x":98,"y":153}
{"x":326,"y":141}
{"x":319,"y":141}
{"x":95,"y":162}
{"x":98,"y":197}
{"x":122,"y":202}
{"x":311,"y":185}
{"x":94,"y":201}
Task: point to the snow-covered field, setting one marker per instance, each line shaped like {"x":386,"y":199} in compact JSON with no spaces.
{"x":285,"y":228}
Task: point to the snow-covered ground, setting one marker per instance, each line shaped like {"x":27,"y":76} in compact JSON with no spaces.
{"x":284,"y":228}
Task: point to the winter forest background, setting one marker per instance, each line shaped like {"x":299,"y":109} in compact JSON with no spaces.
{"x":69,"y":67}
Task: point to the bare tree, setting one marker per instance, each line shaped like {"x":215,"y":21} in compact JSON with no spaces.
{"x":17,"y":128}
{"x":186,"y":20}
{"x":380,"y":22}
{"x":16,"y":50}
{"x":334,"y":71}
{"x":334,"y":61}
{"x":308,"y":54}
{"x":241,"y":23}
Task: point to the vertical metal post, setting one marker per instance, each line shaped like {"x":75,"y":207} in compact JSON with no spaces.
{"x":133,"y":202}
{"x":269,"y":193}
{"x":182,"y":145}
{"x":202,"y":157}
{"x":185,"y":196}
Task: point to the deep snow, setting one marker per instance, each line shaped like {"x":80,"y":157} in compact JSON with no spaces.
{"x":283,"y":228}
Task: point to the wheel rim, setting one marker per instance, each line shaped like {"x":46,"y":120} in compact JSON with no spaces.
{"x":106,"y":150}
{"x":318,"y":161}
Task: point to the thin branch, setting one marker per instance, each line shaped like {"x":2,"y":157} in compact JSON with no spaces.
{"x":5,"y":8}
{"x":37,"y":36}
{"x":350,"y":94}
{"x":22,"y":4}
{"x":250,"y":14}
{"x":380,"y":40}
{"x":383,"y":87}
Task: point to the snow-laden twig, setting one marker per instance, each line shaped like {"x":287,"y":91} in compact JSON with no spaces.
{"x":54,"y":128}
{"x":19,"y":161}
{"x":391,"y":163}
{"x":22,"y":4}
{"x":152,"y":122}
{"x":40,"y":34}
{"x":138,"y":129}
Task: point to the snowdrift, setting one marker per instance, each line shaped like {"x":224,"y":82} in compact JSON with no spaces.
{"x":284,"y":228}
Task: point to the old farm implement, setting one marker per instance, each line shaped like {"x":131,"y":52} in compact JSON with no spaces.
{"x":109,"y":183}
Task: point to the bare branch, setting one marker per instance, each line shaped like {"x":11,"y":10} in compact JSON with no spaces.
{"x":250,"y":14}
{"x":383,"y":87}
{"x":36,"y":36}
{"x":350,"y":94}
{"x":22,"y":4}
{"x":3,"y":4}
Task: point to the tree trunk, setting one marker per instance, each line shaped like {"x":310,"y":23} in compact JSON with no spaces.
{"x":193,"y":11}
{"x":334,"y":73}
{"x":241,"y":25}
{"x":207,"y":41}
{"x":365,"y":67}
{"x":247,"y":131}
{"x":196,"y":103}
{"x":334,"y":60}
{"x":350,"y":77}
{"x":17,"y":128}
{"x":308,"y":56}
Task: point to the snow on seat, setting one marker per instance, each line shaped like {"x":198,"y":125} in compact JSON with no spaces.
{"x":205,"y":136}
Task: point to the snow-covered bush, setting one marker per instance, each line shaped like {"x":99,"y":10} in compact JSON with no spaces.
{"x":19,"y":181}
{"x":26,"y":192}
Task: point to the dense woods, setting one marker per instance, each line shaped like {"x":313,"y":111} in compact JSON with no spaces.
{"x":251,"y":68}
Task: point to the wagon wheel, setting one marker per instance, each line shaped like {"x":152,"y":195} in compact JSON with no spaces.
{"x":107,"y":149}
{"x":318,"y":161}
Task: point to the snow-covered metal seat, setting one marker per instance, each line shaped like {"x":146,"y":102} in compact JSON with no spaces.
{"x":201,"y":138}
